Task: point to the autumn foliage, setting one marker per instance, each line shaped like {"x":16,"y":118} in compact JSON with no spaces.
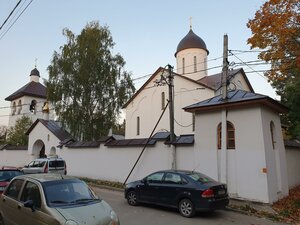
{"x":289,"y":207}
{"x":276,"y":30}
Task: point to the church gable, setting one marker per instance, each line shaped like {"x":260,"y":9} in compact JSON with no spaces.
{"x":147,"y":83}
{"x":237,"y":79}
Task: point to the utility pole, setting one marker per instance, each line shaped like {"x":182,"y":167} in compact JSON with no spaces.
{"x":171,"y":111}
{"x":225,"y":67}
{"x":171,"y":103}
{"x":223,"y":163}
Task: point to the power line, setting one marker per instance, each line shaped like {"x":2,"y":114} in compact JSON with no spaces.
{"x":3,"y":34}
{"x":245,"y":51}
{"x":248,"y":65}
{"x":10,"y":14}
{"x":26,"y":113}
{"x":27,"y":104}
{"x":181,"y":124}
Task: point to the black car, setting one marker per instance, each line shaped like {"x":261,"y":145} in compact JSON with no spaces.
{"x":189,"y":191}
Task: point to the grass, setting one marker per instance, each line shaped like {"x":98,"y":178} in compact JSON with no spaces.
{"x":103,"y":182}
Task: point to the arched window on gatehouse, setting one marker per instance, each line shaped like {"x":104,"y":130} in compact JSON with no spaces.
{"x":138,"y":125}
{"x":14,"y":109}
{"x":19,"y":107}
{"x":272,"y":130}
{"x":230,"y":135}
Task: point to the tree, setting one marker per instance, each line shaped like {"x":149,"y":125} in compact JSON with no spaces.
{"x":3,"y":131}
{"x":16,"y":135}
{"x":276,"y":30}
{"x":87,"y":83}
{"x":119,"y":128}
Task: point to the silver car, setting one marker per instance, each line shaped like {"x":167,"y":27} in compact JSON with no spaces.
{"x":53,"y":199}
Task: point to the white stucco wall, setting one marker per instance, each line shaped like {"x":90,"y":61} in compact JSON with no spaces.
{"x":238,"y":82}
{"x":188,"y":55}
{"x":275,"y":158}
{"x":293,"y":166}
{"x":17,"y":158}
{"x":41,"y":135}
{"x":147,"y":105}
{"x":115,"y":163}
{"x":245,"y":176}
{"x":26,"y":101}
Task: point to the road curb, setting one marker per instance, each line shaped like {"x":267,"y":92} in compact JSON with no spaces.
{"x":106,"y":187}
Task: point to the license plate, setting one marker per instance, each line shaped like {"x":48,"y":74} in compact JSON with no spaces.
{"x":221,"y":192}
{"x":2,"y":188}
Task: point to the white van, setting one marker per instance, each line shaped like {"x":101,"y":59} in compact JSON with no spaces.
{"x":46,"y":165}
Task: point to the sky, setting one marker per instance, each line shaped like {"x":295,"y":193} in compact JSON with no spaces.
{"x":146,"y":34}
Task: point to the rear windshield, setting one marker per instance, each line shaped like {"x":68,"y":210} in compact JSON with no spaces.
{"x":57,"y":163}
{"x":200,"y":177}
{"x":7,"y":175}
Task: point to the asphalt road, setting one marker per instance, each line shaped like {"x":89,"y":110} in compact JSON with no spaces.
{"x":153,"y":215}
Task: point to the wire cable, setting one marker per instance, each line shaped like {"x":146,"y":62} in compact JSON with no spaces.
{"x":10,"y":14}
{"x":248,"y":66}
{"x":15,"y":20}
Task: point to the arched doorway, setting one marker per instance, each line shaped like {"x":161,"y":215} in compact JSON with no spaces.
{"x":38,"y":149}
{"x":53,"y":151}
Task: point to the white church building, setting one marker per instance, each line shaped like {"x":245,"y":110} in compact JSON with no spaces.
{"x":191,"y":84}
{"x":236,"y":140}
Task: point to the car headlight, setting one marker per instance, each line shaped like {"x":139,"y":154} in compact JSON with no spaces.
{"x":114,"y":218}
{"x":71,"y":222}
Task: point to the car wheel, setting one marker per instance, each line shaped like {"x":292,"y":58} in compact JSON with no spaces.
{"x":132,"y":198}
{"x":186,"y":208}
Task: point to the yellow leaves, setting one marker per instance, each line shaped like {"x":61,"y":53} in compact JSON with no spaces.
{"x":276,"y":27}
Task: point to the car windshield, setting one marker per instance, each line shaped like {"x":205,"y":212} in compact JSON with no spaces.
{"x":200,"y":177}
{"x":67,"y":192}
{"x":7,"y":175}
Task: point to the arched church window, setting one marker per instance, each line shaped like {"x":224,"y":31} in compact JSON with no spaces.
{"x":138,"y":125}
{"x":195,"y":64}
{"x":194,"y":119}
{"x":205,"y":65}
{"x":230,"y":135}
{"x":272,"y":130}
{"x":32,"y":106}
{"x":183,"y":66}
{"x":163,"y":100}
{"x":19,"y":107}
{"x":14,"y":109}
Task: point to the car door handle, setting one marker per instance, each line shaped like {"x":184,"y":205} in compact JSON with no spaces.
{"x":3,"y":200}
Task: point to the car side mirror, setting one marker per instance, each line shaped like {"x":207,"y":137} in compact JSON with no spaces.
{"x":29,"y":204}
{"x":26,"y":166}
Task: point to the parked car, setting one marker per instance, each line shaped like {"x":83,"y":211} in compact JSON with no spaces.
{"x":6,"y":174}
{"x":46,"y":165}
{"x":53,"y":199}
{"x":188,"y":191}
